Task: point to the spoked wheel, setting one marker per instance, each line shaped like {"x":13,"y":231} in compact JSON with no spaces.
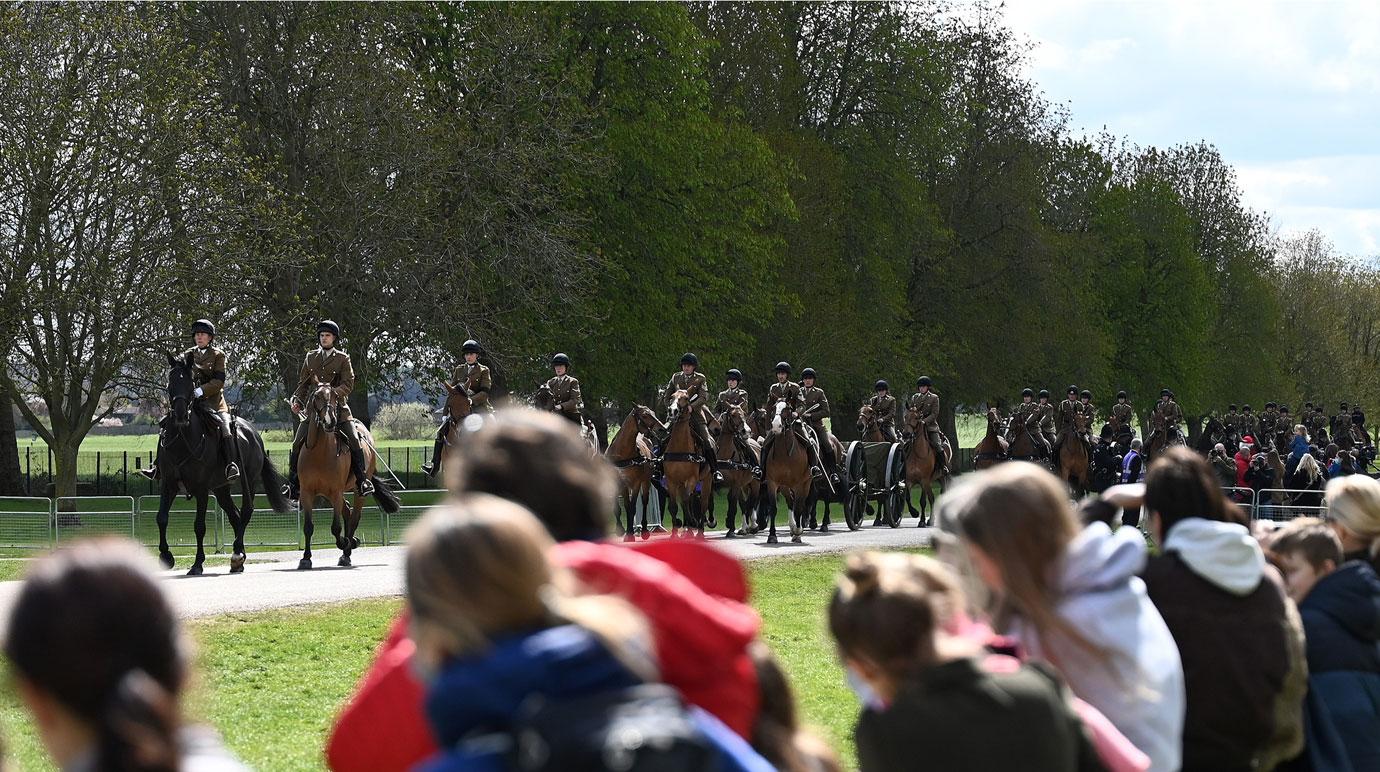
{"x":895,"y":501}
{"x":854,"y":476}
{"x":854,"y":507}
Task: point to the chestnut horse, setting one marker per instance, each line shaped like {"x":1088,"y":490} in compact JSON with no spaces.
{"x":738,"y":467}
{"x":869,"y":428}
{"x":787,"y":471}
{"x":458,"y":406}
{"x":920,"y":466}
{"x":1074,"y":456}
{"x":689,"y":476}
{"x":992,"y":449}
{"x":545,"y":402}
{"x":324,"y":470}
{"x":630,"y":452}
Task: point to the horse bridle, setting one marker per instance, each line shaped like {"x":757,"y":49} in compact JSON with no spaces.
{"x":329,"y":409}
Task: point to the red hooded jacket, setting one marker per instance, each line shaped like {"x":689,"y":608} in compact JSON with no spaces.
{"x":693,"y":596}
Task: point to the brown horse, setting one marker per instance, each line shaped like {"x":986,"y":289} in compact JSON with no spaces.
{"x":738,"y":466}
{"x":458,"y":406}
{"x":1074,"y":457}
{"x":1022,"y":446}
{"x":992,"y":449}
{"x":686,"y":470}
{"x":758,"y":423}
{"x":869,"y":428}
{"x":825,"y":491}
{"x":324,"y":470}
{"x":920,"y":466}
{"x":1161,"y":439}
{"x":787,"y":471}
{"x":630,"y":452}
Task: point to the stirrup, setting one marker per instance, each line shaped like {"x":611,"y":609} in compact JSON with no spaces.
{"x":365,"y":487}
{"x":151,"y":472}
{"x":428,"y":469}
{"x":816,"y":472}
{"x":232,"y":471}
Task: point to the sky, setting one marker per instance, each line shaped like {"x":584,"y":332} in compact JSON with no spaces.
{"x":1289,"y":92}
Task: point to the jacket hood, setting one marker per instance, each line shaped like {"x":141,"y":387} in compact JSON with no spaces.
{"x":1222,"y":553}
{"x":485,"y":692}
{"x":1098,"y":559}
{"x":1351,"y":596}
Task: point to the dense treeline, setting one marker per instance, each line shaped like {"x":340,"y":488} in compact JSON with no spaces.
{"x":871,"y":189}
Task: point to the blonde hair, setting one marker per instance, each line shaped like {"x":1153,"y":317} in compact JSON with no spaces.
{"x":477,"y":568}
{"x":1019,"y":515}
{"x":1309,"y":465}
{"x":1354,"y":502}
{"x":1301,"y":429}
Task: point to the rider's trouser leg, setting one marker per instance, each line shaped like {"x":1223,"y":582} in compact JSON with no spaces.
{"x":229,"y":449}
{"x":889,"y":433}
{"x":152,"y":471}
{"x":435,"y":465}
{"x":363,"y":486}
{"x":940,"y":444}
{"x":298,"y":440}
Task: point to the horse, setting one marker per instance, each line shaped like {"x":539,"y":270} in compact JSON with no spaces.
{"x":686,"y":469}
{"x":991,"y":450}
{"x":787,"y":471}
{"x":1022,"y":446}
{"x":324,"y":470}
{"x":630,"y":452}
{"x":869,"y":428}
{"x":1074,"y":458}
{"x":823,"y":489}
{"x":921,"y":462}
{"x":738,"y":468}
{"x":1122,"y":434}
{"x":189,"y":457}
{"x":1214,"y":431}
{"x":1161,"y":439}
{"x":458,"y":407}
{"x":758,"y":423}
{"x":544,"y":401}
{"x":1105,"y":469}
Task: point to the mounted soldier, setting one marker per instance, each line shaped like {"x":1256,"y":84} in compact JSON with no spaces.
{"x":1169,"y":415}
{"x":1285,"y":423}
{"x":1357,"y":429}
{"x":1124,"y":416}
{"x":884,"y":410}
{"x":732,"y":397}
{"x":1249,"y":423}
{"x":1232,"y":420}
{"x":1339,"y":422}
{"x":476,"y":380}
{"x":926,"y":402}
{"x":1027,"y":414}
{"x":1316,"y":423}
{"x":208,"y":371}
{"x":816,"y":409}
{"x":1045,"y":409}
{"x":1269,"y":419}
{"x":328,"y":364}
{"x":1068,"y":410}
{"x":696,"y":386}
{"x":566,"y":400}
{"x":788,"y":391}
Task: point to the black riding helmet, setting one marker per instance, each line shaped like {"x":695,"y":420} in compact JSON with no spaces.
{"x":734,"y":375}
{"x":204,"y":325}
{"x":1121,"y":395}
{"x":880,"y":386}
{"x":560,"y":359}
{"x":1308,"y":405}
{"x":1166,"y":393}
{"x":1269,"y":405}
{"x":1085,"y":394}
{"x":1072,"y":390}
{"x":1283,"y":408}
{"x":783,"y":367}
{"x":808,"y":372}
{"x":470,"y":346}
{"x":1027,"y":392}
{"x":326,"y":325}
{"x":1231,"y":407}
{"x":1246,"y":408}
{"x":1044,"y":393}
{"x":923,"y":380}
{"x":690,"y":359}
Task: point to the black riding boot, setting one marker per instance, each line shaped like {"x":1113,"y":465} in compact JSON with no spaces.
{"x":433,"y":468}
{"x":363,"y":485}
{"x":227,"y":449}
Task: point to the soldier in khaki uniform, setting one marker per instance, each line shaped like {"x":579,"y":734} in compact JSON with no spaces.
{"x":1027,"y":414}
{"x":693,"y":383}
{"x":566,"y":400}
{"x":1068,"y":409}
{"x":1232,"y":421}
{"x":1339,"y":423}
{"x":815,"y":411}
{"x":884,"y":410}
{"x":1044,"y":410}
{"x":733,"y":396}
{"x":476,"y":380}
{"x":1316,"y":422}
{"x":1168,"y":410}
{"x":927,"y":403}
{"x":1124,"y":414}
{"x":330,"y":365}
{"x":1249,"y":423}
{"x":788,"y":391}
{"x":208,"y":372}
{"x":1269,"y":419}
{"x":1285,"y":423}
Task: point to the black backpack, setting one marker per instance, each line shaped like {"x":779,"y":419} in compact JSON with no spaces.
{"x":644,"y":728}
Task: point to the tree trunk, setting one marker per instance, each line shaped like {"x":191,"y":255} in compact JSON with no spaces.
{"x":359,"y":396}
{"x":948,"y":424}
{"x":11,"y":483}
{"x":65,"y":472}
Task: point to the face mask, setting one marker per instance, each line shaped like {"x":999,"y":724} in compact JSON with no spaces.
{"x":863,"y":690}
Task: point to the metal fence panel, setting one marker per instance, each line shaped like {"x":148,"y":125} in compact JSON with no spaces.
{"x":1278,"y":504}
{"x":87,"y":516}
{"x":412,"y":505}
{"x":26,"y":522}
{"x":181,"y":522}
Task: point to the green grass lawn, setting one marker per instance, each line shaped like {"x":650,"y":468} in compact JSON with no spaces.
{"x":272,"y":682}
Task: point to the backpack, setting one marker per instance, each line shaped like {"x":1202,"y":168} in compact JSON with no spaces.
{"x":643,"y":728}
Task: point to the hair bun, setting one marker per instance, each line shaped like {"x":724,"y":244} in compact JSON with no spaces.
{"x":863,"y":572}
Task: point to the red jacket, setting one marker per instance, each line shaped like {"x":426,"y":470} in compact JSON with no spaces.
{"x":693,"y":595}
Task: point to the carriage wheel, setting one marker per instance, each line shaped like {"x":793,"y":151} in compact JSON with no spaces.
{"x":895,"y":508}
{"x":895,"y":501}
{"x":853,"y":508}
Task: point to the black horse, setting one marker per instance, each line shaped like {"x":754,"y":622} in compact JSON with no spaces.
{"x":189,"y":457}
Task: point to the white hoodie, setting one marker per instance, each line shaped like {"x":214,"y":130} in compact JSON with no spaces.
{"x":1222,"y":553}
{"x":1140,"y":686}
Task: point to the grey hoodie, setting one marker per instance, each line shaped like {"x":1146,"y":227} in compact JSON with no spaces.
{"x":1140,"y":685}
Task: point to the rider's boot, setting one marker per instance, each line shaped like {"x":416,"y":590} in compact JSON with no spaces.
{"x":363,"y":485}
{"x":227,"y":449}
{"x":941,"y":463}
{"x":293,"y":489}
{"x":434,"y":466}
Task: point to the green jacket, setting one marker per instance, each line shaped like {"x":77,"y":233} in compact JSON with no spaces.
{"x":816,"y":404}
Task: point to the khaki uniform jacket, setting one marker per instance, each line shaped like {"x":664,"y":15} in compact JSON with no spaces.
{"x":1067,"y":410}
{"x":1232,"y":421}
{"x":1170,"y":411}
{"x":1285,"y":424}
{"x":1316,"y":424}
{"x":695,"y":384}
{"x":816,"y":405}
{"x":1045,"y":414}
{"x":1268,"y":420}
{"x":329,"y":366}
{"x":1248,"y":423}
{"x":788,"y":391}
{"x":477,"y":379}
{"x":1027,"y":414}
{"x":208,"y":372}
{"x":928,"y":405}
{"x":884,"y":408}
{"x":565,"y":395}
{"x":1124,"y":413}
{"x":731,"y":398}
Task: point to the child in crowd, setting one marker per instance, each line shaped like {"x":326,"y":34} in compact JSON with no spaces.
{"x":925,"y":691}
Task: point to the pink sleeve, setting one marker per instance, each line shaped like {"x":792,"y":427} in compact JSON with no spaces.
{"x":1113,"y":749}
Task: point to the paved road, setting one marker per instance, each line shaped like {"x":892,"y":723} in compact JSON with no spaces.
{"x":271,"y":579}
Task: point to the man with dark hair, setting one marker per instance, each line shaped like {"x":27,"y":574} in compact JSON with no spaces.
{"x":884,"y":410}
{"x":476,"y":380}
{"x":328,"y":364}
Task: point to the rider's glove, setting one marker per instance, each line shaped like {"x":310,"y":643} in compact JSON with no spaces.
{"x":196,"y":392}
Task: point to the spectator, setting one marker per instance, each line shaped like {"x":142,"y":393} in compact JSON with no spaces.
{"x":923,"y":688}
{"x":695,"y":596}
{"x":1261,"y":474}
{"x":1353,"y":509}
{"x":100,"y":664}
{"x":1132,"y":470}
{"x":1340,"y":606}
{"x":778,"y":735}
{"x":1072,"y":597}
{"x":1223,"y":465}
{"x":1329,"y":453}
{"x":1308,"y":480}
{"x":518,"y":667}
{"x":1243,"y":462}
{"x":1240,"y":639}
{"x":1298,"y":448}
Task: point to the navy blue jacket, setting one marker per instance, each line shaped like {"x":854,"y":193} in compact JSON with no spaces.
{"x":1341,"y":619}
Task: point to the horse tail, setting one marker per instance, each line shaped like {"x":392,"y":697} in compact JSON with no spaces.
{"x":273,"y":486}
{"x":387,"y":499}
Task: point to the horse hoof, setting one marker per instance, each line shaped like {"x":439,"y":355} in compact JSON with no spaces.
{"x":340,"y":543}
{"x":344,"y":561}
{"x":304,"y":564}
{"x":166,"y":559}
{"x":823,"y":527}
{"x":729,"y":534}
{"x":646,"y":535}
{"x":629,"y":536}
{"x":771,"y":540}
{"x":195,"y":570}
{"x":237,"y":563}
{"x":796,"y":540}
